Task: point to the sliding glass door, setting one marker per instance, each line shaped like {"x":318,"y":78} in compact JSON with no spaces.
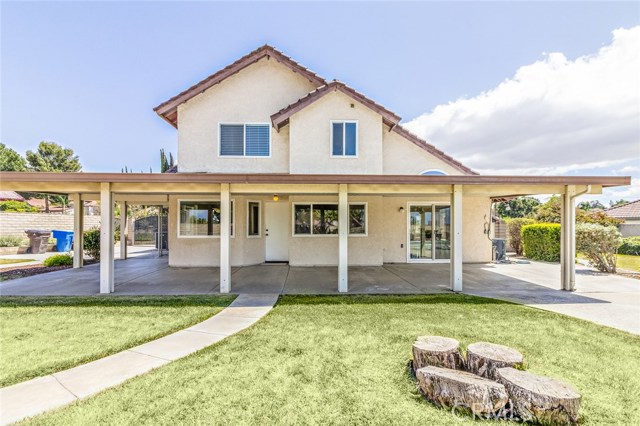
{"x":429,"y":233}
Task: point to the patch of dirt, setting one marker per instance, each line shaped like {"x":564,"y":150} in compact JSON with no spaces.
{"x":14,"y":272}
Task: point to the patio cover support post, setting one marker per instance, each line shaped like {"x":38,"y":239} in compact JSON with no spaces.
{"x":106,"y":239}
{"x":124,"y":229}
{"x":225,"y":222}
{"x":343,"y":236}
{"x":456,"y":238}
{"x":78,"y":230}
{"x":568,"y":239}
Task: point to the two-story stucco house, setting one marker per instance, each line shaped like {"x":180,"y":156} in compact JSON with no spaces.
{"x":277,"y":164}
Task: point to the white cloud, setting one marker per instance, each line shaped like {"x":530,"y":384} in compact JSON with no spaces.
{"x":555,"y":116}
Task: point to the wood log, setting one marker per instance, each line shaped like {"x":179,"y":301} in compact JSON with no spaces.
{"x":540,"y":399}
{"x":485,"y":358}
{"x":462,"y":390}
{"x":437,"y":351}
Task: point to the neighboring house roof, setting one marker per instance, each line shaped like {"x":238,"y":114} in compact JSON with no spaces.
{"x":172,"y":169}
{"x":10,"y":196}
{"x":625,"y":211}
{"x":281,"y":118}
{"x":168,"y":110}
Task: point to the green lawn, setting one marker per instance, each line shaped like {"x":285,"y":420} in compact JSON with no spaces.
{"x":342,"y":360}
{"x":39,"y":336}
{"x":5,"y":261}
{"x":626,"y":261}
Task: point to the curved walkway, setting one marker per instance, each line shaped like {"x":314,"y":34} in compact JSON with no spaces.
{"x":56,"y":390}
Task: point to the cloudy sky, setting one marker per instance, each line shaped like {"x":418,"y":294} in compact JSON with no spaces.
{"x":506,"y":87}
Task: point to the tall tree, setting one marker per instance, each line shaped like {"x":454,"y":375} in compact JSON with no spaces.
{"x":51,"y":157}
{"x":617,"y":203}
{"x":591,"y":205}
{"x":518,"y":207}
{"x":10,"y":160}
{"x":165,"y":163}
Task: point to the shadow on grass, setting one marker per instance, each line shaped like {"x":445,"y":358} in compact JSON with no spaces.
{"x":370,"y":299}
{"x":116,"y":301}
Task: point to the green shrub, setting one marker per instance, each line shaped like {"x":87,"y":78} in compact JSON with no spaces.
{"x":541,"y":241}
{"x":11,"y":241}
{"x":59,"y":260}
{"x":599,"y":244}
{"x":630,"y":245}
{"x":16,"y":206}
{"x":514,"y":232}
{"x":92,"y":243}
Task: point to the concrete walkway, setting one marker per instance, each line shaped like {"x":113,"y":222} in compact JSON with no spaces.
{"x":56,"y":390}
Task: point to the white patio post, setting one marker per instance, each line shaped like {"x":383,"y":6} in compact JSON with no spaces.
{"x":106,"y":239}
{"x":343,"y":236}
{"x":456,"y":238}
{"x":568,"y":235}
{"x":225,"y":227}
{"x":124,"y":229}
{"x":78,"y":230}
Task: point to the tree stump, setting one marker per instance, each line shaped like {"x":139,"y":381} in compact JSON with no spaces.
{"x":485,"y":358}
{"x":540,"y":399}
{"x":459,"y":389}
{"x":437,"y":351}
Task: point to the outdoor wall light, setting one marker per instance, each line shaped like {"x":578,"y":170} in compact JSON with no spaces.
{"x":401,"y":209}
{"x":275,"y":197}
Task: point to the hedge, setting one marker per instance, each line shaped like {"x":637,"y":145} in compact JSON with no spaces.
{"x":630,"y":245}
{"x":514,"y":232}
{"x":541,"y":241}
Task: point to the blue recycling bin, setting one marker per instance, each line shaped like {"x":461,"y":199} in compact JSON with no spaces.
{"x":64,"y":240}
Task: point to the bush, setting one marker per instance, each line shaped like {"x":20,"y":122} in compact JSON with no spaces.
{"x":599,"y":244}
{"x":92,"y":243}
{"x":514,"y":232}
{"x":59,"y":260}
{"x":16,"y":206}
{"x":541,"y":241}
{"x":10,"y":241}
{"x":630,"y":245}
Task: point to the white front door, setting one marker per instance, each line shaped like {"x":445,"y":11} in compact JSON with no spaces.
{"x":277,"y":231}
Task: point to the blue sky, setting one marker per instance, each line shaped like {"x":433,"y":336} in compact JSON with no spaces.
{"x":87,"y":74}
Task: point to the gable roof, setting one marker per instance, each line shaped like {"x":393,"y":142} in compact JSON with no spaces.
{"x":281,"y":118}
{"x":10,"y":196}
{"x":625,"y":211}
{"x":168,"y":110}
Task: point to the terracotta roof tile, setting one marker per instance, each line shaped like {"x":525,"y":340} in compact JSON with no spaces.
{"x":10,"y":195}
{"x":625,"y":211}
{"x":168,"y":110}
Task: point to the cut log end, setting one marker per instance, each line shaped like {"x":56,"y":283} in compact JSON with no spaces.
{"x":437,"y":351}
{"x":485,"y":358}
{"x":455,"y":388}
{"x":540,"y":399}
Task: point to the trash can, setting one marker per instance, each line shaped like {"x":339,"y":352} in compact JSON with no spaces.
{"x":38,"y":240}
{"x":64,"y":240}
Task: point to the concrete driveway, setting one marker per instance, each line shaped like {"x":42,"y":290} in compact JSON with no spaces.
{"x":610,"y":300}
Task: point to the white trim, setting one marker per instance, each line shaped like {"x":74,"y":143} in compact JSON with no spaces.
{"x":205,"y":200}
{"x":244,"y":139}
{"x":259,"y":219}
{"x":331,"y":122}
{"x":431,"y":204}
{"x":311,"y":234}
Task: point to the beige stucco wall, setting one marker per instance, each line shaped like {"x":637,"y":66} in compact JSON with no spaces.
{"x":403,"y":157}
{"x":252,"y":95}
{"x":310,"y":137}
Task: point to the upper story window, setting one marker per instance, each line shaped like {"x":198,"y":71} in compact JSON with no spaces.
{"x":245,"y":140}
{"x":344,"y":138}
{"x":433,"y":172}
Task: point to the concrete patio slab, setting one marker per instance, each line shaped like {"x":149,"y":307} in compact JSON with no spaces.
{"x":31,"y":398}
{"x":260,"y":279}
{"x":110,"y":371}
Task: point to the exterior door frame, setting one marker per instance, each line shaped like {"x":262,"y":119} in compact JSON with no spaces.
{"x":269,"y":233}
{"x":433,"y":205}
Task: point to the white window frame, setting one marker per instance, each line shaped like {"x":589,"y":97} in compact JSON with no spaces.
{"x":331,"y":123}
{"x":422,"y":173}
{"x":207,"y":200}
{"x":311,"y":203}
{"x":431,"y":204}
{"x":244,"y":139}
{"x":259,"y":219}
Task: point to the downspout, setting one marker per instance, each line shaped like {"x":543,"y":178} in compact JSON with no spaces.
{"x":577,"y":194}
